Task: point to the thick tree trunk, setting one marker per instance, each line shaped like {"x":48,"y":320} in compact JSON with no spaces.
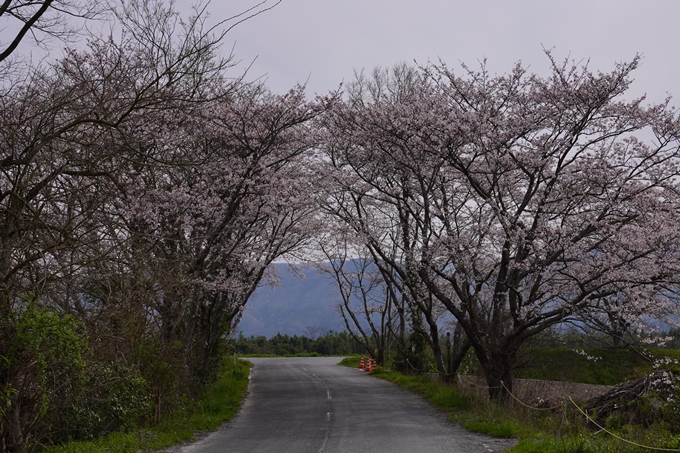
{"x":207,"y":336}
{"x":400,"y":334}
{"x":497,"y":366}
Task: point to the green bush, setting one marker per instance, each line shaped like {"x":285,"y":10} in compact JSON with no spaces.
{"x":43,"y":357}
{"x":115,"y":397}
{"x":219,"y":402}
{"x":162,"y":366}
{"x":415,"y":357}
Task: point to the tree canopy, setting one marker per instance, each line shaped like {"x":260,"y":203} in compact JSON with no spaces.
{"x":518,"y":202}
{"x":145,"y":190}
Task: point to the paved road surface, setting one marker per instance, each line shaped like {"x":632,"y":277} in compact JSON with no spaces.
{"x":301,"y":405}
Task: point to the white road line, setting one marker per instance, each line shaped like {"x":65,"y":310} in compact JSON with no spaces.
{"x":327,"y":427}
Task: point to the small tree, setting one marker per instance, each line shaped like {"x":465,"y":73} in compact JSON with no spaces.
{"x":367,"y":306}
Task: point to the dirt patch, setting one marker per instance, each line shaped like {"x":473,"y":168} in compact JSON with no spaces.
{"x":539,"y":393}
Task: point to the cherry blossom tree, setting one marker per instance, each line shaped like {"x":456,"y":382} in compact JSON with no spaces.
{"x":517,"y":201}
{"x":211,"y":226}
{"x":70,"y":132}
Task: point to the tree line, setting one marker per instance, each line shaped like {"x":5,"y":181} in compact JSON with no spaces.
{"x":145,"y":189}
{"x":329,"y":344}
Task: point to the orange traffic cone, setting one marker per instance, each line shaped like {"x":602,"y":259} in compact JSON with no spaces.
{"x":374,"y":365}
{"x":361,"y":364}
{"x":369,"y":366}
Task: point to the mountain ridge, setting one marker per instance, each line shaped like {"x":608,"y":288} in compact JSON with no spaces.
{"x":302,"y":301}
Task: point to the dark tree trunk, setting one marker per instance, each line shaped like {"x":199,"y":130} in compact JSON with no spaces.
{"x":461,"y":345}
{"x":380,"y":359}
{"x":457,"y":356}
{"x":436,"y":348}
{"x":15,"y":440}
{"x":497,"y":366}
{"x":209,"y":331}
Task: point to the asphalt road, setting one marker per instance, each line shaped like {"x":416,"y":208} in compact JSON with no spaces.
{"x":301,"y":405}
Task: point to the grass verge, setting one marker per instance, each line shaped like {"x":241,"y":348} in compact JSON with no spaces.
{"x":536,"y":431}
{"x":267,"y":356}
{"x":218,"y":404}
{"x":607,"y":366}
{"x":476,"y":416}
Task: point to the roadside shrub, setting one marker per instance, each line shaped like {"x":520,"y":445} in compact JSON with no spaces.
{"x":115,"y":397}
{"x":42,"y":370}
{"x":415,"y":357}
{"x":162,"y":366}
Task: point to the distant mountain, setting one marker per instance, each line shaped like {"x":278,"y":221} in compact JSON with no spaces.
{"x":295,"y":305}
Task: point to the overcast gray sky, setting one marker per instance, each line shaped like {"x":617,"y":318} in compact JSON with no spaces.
{"x":323,"y":41}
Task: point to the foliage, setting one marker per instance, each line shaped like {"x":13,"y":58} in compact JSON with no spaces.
{"x":611,"y":366}
{"x":461,"y":185}
{"x":649,"y":401}
{"x":114,"y":397}
{"x":161,"y":365}
{"x":673,"y":339}
{"x":331,"y":343}
{"x":42,"y":367}
{"x":415,"y":356}
{"x":218,"y":403}
{"x":143,"y":191}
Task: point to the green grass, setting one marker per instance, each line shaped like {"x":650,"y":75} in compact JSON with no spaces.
{"x":351,"y":361}
{"x":537,"y":431}
{"x":299,"y":354}
{"x":609,"y":366}
{"x":218,"y":404}
{"x":534,"y":446}
{"x":471,"y":414}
